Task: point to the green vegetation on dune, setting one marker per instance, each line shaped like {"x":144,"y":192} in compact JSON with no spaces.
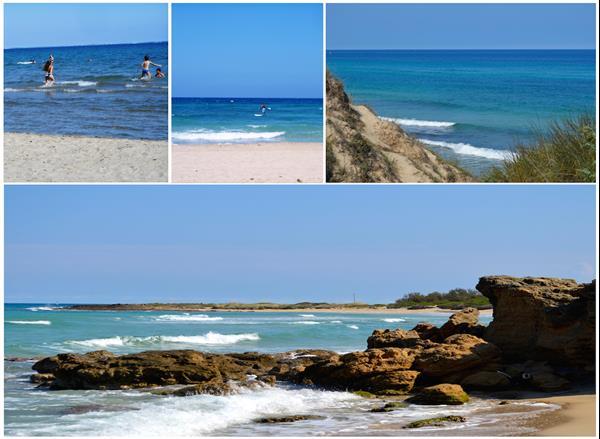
{"x":456,"y":298}
{"x":566,"y":154}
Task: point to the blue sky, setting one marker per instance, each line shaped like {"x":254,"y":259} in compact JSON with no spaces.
{"x":287,"y":243}
{"x":53,"y":25}
{"x":247,"y":50}
{"x":461,"y":26}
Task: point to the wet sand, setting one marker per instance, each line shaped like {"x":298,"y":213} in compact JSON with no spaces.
{"x":576,"y":417}
{"x":46,"y":158}
{"x":281,"y":162}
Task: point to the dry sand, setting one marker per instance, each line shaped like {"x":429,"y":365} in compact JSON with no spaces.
{"x":576,"y":417}
{"x":46,"y":158}
{"x":282,"y":162}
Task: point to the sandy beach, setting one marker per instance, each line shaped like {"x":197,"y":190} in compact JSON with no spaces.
{"x":46,"y":158}
{"x":282,"y":162}
{"x":576,"y":417}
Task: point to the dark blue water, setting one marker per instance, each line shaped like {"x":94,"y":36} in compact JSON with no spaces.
{"x":97,"y":92}
{"x":470,"y":105}
{"x":234,"y":120}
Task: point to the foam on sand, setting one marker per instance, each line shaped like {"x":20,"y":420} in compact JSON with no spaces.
{"x":223,"y":136}
{"x":466,"y":149}
{"x":210,"y":338}
{"x":30,"y":322}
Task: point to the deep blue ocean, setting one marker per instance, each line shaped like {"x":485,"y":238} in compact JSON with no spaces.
{"x":235,"y":120}
{"x":97,"y":92}
{"x":471,"y":106}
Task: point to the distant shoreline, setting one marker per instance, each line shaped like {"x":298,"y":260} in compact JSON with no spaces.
{"x":216,"y":308}
{"x":86,"y":45}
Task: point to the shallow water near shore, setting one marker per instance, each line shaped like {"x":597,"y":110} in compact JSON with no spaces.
{"x":97,"y":92}
{"x":240,"y":120}
{"x":470,"y":106}
{"x":39,"y":329}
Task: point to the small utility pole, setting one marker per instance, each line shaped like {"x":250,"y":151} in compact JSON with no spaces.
{"x":354,"y":298}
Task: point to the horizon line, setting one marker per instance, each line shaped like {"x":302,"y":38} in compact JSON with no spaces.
{"x":471,"y":49}
{"x":238,"y":97}
{"x":85,"y":45}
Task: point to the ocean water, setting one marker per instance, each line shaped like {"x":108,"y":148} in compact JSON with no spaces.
{"x":470,"y":106}
{"x":97,"y":92}
{"x":234,"y":120}
{"x":40,"y":329}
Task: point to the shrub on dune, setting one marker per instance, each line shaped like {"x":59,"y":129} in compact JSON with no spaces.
{"x":567,"y":153}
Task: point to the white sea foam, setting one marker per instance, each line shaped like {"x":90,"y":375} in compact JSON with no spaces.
{"x":394,"y":320}
{"x":13,"y":90}
{"x":210,"y":338}
{"x":466,"y":149}
{"x":223,"y":136}
{"x":30,"y":322}
{"x":187,"y":318}
{"x":352,"y":326}
{"x":336,"y":321}
{"x":305,"y":322}
{"x":79,"y":83}
{"x":419,"y":123}
{"x":257,"y":126}
{"x":42,"y":308}
{"x":200,"y":414}
{"x":306,"y":315}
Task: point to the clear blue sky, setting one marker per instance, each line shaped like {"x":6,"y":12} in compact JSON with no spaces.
{"x":461,"y":26}
{"x":54,"y":25}
{"x":287,"y":243}
{"x":247,"y":50}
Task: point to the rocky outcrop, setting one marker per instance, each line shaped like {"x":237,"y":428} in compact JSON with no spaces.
{"x":465,"y":321}
{"x":361,"y":147}
{"x":441,"y":394}
{"x":544,"y":319}
{"x":209,"y":373}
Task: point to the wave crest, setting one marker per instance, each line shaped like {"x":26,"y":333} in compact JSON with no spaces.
{"x":210,"y":338}
{"x":419,"y":123}
{"x":223,"y":136}
{"x":187,"y":318}
{"x":30,"y":322}
{"x":466,"y":149}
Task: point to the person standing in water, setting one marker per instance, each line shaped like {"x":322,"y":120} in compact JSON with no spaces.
{"x":49,"y":69}
{"x":146,"y":68}
{"x":159,"y":73}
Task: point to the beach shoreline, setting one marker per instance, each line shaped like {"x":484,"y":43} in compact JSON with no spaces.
{"x":277,"y":162}
{"x":67,"y":158}
{"x":576,"y":416}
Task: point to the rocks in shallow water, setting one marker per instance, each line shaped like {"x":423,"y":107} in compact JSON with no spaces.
{"x":104,"y":370}
{"x":542,"y":319}
{"x":435,"y":422}
{"x":390,"y":407}
{"x":441,"y":394}
{"x":281,"y":419}
{"x":42,"y":378}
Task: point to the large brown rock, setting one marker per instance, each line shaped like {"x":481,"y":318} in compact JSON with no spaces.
{"x":397,"y":338}
{"x":465,"y":321}
{"x":542,"y":319}
{"x":382,"y":371}
{"x":458,"y":353}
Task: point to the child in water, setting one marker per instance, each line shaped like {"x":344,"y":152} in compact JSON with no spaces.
{"x":146,"y":68}
{"x":49,"y":69}
{"x":159,"y":73}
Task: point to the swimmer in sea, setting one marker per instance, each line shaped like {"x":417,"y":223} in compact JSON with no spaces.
{"x":263,"y":108}
{"x":159,"y":73}
{"x":49,"y":69}
{"x":146,"y":68}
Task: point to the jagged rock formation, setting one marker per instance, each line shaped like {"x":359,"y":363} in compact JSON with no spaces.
{"x":546,"y":319}
{"x":363,"y":148}
{"x":542,"y":337}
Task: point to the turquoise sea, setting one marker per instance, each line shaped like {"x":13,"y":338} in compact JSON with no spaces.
{"x":36,"y":330}
{"x":241,"y":120}
{"x":470,"y":106}
{"x":97,"y":91}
